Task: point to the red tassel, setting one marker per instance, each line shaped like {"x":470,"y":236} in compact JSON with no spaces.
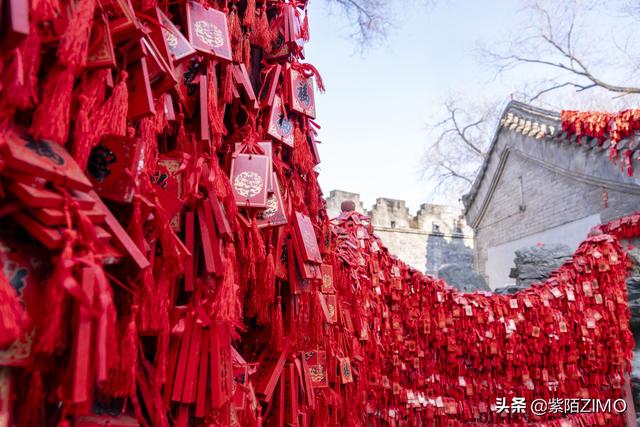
{"x":52,"y":334}
{"x":215,"y":119}
{"x":234,"y":25}
{"x":304,"y":32}
{"x":260,"y":36}
{"x":32,"y":406}
{"x":12,"y":315}
{"x":161,"y":121}
{"x":74,"y":43}
{"x":277,"y":324}
{"x":222,"y":187}
{"x":182,"y":142}
{"x":162,"y":352}
{"x":246,"y":53}
{"x":302,"y":158}
{"x":148,"y":133}
{"x":148,"y":4}
{"x":316,"y":327}
{"x":45,"y":10}
{"x":227,"y":93}
{"x":21,"y":76}
{"x":51,"y":118}
{"x":265,"y":289}
{"x":145,"y":294}
{"x":258,"y":242}
{"x":249,"y":14}
{"x":90,"y":92}
{"x":248,"y":418}
{"x":111,"y":117}
{"x":227,"y":306}
{"x":123,"y":383}
{"x":250,"y":258}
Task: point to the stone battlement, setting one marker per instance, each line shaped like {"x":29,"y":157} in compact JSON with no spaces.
{"x":393,"y":213}
{"x":434,"y":235}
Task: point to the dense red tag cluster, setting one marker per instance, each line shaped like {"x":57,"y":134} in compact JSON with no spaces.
{"x":167,"y":258}
{"x":609,"y":128}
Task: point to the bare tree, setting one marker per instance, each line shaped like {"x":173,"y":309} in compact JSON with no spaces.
{"x":574,"y":62}
{"x":460,"y":143}
{"x":571,"y":50}
{"x":370,"y":19}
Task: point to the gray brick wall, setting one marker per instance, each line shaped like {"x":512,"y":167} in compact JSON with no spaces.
{"x":551,"y":200}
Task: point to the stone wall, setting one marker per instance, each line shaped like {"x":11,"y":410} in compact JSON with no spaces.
{"x":550,"y":200}
{"x":434,"y":236}
{"x":336,"y":197}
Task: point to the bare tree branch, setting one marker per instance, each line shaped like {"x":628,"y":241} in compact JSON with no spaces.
{"x":369,"y":17}
{"x":459,"y":145}
{"x":552,"y":44}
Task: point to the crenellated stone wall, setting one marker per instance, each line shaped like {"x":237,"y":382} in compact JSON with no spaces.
{"x":434,"y":236}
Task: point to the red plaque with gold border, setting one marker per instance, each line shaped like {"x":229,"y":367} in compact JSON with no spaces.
{"x":302,"y":93}
{"x":26,"y":271}
{"x":249,"y":179}
{"x":274,"y":215}
{"x":306,"y":236}
{"x":280,"y":126}
{"x":114,"y":164}
{"x":43,"y":158}
{"x":207,"y":31}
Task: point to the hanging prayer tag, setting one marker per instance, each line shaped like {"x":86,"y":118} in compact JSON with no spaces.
{"x":114,"y":167}
{"x":249,"y":180}
{"x":280,"y":125}
{"x":302,"y":93}
{"x":207,"y":31}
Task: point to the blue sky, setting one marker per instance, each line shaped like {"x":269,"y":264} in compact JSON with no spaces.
{"x":378,"y":105}
{"x":375,"y":112}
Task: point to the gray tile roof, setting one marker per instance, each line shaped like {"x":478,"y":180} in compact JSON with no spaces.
{"x":536,"y":134}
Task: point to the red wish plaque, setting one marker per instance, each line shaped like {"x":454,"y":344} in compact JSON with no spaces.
{"x":220,"y":217}
{"x":250,"y":179}
{"x":35,"y":197}
{"x":302,"y":95}
{"x":189,"y":74}
{"x":267,"y":147}
{"x":346,"y":373}
{"x":207,"y":31}
{"x":327,"y":279}
{"x":280,"y":125}
{"x":279,"y":49}
{"x":51,"y":237}
{"x":168,"y":176}
{"x":14,"y":17}
{"x":26,"y":270}
{"x":161,"y":72}
{"x":43,"y":158}
{"x":179,"y":47}
{"x":306,"y":236}
{"x":221,"y":371}
{"x":274,"y":215}
{"x":122,"y":20}
{"x":270,"y":85}
{"x":53,"y":216}
{"x":271,"y":365}
{"x":114,"y":164}
{"x":101,"y":53}
{"x":120,"y":236}
{"x":140,"y":94}
{"x":291,"y":385}
{"x":317,"y":366}
{"x":241,"y":76}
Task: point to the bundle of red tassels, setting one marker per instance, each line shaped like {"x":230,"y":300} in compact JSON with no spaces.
{"x":167,"y":259}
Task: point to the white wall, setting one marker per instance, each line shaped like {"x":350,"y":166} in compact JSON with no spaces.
{"x":500,"y":257}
